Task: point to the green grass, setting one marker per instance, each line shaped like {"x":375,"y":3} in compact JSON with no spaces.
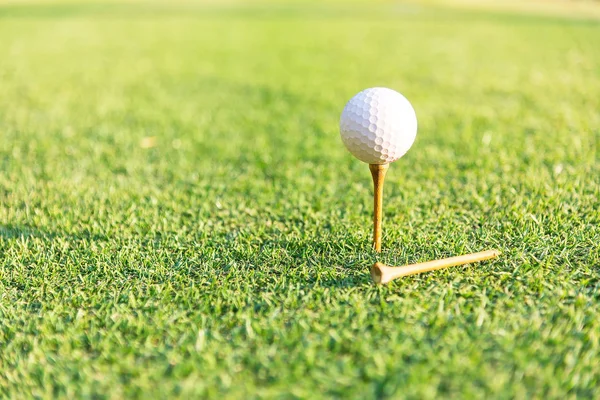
{"x":231,"y":259}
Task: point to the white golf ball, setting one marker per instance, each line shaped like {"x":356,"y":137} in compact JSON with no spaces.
{"x":378,"y":125}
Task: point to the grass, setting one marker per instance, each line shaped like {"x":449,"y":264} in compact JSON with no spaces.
{"x":179,"y":218}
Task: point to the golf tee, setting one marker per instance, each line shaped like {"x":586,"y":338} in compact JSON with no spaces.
{"x":378,"y":172}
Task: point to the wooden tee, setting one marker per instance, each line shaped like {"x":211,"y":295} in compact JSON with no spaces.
{"x":378,"y":172}
{"x":383,"y":274}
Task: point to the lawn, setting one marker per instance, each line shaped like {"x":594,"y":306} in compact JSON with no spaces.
{"x":179,"y":217}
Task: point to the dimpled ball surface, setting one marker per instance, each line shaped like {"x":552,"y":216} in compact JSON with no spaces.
{"x":378,"y":125}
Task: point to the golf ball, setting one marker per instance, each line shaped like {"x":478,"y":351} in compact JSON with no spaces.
{"x":378,"y":125}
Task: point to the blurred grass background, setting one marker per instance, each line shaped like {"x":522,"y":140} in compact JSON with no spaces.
{"x":178,"y":216}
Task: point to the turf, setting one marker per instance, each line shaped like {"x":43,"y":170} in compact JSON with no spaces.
{"x":179,"y":218}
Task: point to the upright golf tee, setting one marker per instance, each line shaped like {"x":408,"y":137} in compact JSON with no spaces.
{"x":378,"y":126}
{"x":378,"y":172}
{"x":383,"y":274}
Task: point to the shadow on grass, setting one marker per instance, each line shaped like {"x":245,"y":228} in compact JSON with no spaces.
{"x":319,"y":261}
{"x":11,"y":232}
